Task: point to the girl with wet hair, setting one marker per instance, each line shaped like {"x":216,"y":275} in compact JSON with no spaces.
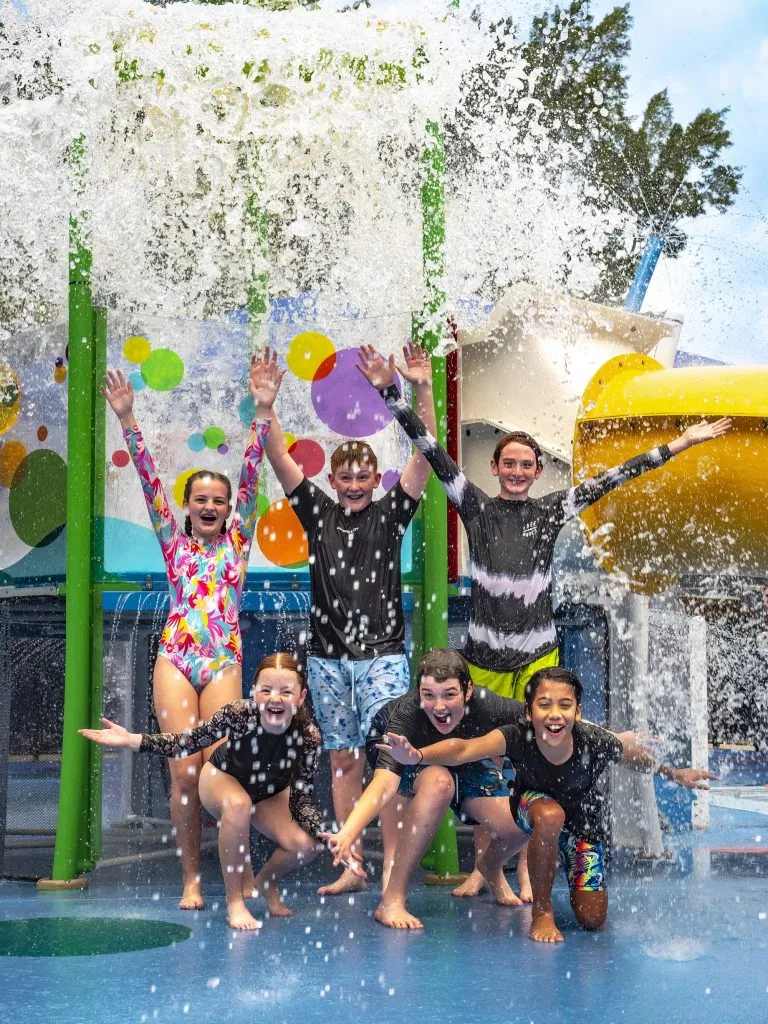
{"x":261,"y":774}
{"x":199,"y":665}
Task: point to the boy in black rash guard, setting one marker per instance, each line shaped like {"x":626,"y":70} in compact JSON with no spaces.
{"x":512,"y":537}
{"x":357,"y":660}
{"x":558,"y":760}
{"x":262,"y":773}
{"x":445,"y":703}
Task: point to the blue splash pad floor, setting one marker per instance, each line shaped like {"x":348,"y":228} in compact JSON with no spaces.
{"x":684,"y":944}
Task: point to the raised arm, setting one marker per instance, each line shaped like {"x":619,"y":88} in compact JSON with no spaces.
{"x":381,"y":375}
{"x":119,"y":394}
{"x":377,"y":794}
{"x":638,"y":759}
{"x":418,"y":371}
{"x":586,"y":494}
{"x":264,"y":383}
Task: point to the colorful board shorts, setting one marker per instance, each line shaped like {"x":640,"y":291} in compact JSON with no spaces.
{"x":478,"y":778}
{"x":583,"y":862}
{"x":512,"y":684}
{"x":347,"y":694}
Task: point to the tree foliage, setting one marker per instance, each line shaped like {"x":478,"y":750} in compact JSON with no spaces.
{"x":568,"y":82}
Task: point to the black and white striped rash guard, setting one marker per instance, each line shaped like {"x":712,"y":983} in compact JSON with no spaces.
{"x":511,"y":546}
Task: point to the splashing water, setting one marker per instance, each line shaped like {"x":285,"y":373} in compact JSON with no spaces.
{"x":225,"y":142}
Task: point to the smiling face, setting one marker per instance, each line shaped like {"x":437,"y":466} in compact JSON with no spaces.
{"x":207,"y":506}
{"x":354,"y":485}
{"x":443,"y":702}
{"x":279,"y":695}
{"x":516,"y":471}
{"x":553,"y":712}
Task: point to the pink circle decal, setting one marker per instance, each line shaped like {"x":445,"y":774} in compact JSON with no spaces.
{"x":309,"y":455}
{"x":345,"y":401}
{"x":120,"y":458}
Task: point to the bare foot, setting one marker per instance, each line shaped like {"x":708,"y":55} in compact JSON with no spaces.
{"x":346,"y":882}
{"x":544,"y":929}
{"x":240,"y":917}
{"x":394,"y":915}
{"x":525,"y":891}
{"x":271,"y":893}
{"x":501,"y":890}
{"x":192,"y":897}
{"x":472,"y":885}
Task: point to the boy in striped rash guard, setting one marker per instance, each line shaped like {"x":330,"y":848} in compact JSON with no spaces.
{"x":512,"y":536}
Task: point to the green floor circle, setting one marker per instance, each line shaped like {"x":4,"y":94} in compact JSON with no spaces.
{"x":86,"y":936}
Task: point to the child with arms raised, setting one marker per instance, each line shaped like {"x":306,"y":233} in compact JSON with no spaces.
{"x":199,"y":664}
{"x":357,"y":661}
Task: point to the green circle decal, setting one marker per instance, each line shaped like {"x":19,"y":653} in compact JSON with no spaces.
{"x":162,"y":370}
{"x":213,"y":437}
{"x":37,"y":502}
{"x":86,"y":936}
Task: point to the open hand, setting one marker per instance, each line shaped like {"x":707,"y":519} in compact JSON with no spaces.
{"x":399,"y":748}
{"x":418,"y":364}
{"x":704,"y":431}
{"x":113,"y":735}
{"x":118,"y":392}
{"x":341,"y":850}
{"x":265,"y":379}
{"x":693,"y":778}
{"x":378,"y":371}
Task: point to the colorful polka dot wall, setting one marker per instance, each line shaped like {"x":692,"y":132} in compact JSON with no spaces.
{"x":162,"y":369}
{"x":35,"y":480}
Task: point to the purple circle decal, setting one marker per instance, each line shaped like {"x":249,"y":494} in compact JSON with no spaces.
{"x":346,"y":402}
{"x":390,"y":478}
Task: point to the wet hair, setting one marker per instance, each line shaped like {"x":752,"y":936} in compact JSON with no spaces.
{"x":518,"y":437}
{"x":283,"y":660}
{"x":354,"y":451}
{"x":201,"y":474}
{"x":554,"y":674}
{"x":444,"y":663}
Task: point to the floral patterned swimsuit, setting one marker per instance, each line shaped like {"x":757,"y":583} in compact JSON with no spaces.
{"x":202,"y":634}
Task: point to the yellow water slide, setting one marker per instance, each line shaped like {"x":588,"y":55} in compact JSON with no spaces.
{"x":705,"y":511}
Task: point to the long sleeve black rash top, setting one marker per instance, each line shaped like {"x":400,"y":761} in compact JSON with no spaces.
{"x":511,"y":546}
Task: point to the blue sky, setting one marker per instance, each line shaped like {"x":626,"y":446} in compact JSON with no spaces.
{"x":713,"y":55}
{"x":707,"y":54}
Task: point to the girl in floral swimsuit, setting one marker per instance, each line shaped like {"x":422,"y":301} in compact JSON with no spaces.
{"x":262,"y":774}
{"x":199,"y":664}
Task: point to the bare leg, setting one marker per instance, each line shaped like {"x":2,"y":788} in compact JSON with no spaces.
{"x":347,"y":767}
{"x":547,"y":818}
{"x":295,"y":847}
{"x":475,"y":882}
{"x":523,"y":879}
{"x":590,"y":908}
{"x":433,"y":794}
{"x":226,"y":799}
{"x":177,"y":708}
{"x":391,"y":820}
{"x":504,"y":839}
{"x":225,"y":687}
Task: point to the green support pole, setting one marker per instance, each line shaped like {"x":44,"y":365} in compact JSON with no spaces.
{"x":442,"y":859}
{"x":75,"y":755}
{"x":91,"y":840}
